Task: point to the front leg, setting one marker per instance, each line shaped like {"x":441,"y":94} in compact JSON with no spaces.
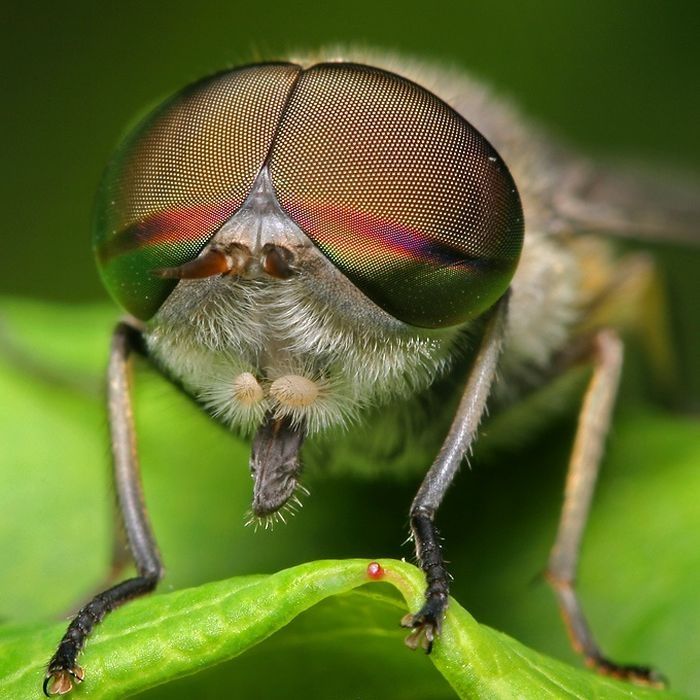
{"x":63,"y":670}
{"x":426,"y":623}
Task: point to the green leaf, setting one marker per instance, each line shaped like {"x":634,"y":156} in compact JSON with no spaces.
{"x":639,"y":576}
{"x":153,"y":641}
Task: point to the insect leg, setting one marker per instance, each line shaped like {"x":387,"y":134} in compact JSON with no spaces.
{"x":427,"y":621}
{"x":593,"y":424}
{"x":62,"y":669}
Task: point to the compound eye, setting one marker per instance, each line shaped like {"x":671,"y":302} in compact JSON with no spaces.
{"x":401,"y":194}
{"x":183,"y":172}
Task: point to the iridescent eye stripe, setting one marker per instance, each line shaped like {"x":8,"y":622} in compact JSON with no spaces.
{"x":358,"y":238}
{"x":181,"y":228}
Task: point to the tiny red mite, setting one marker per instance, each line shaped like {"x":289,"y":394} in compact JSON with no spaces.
{"x":375,"y":571}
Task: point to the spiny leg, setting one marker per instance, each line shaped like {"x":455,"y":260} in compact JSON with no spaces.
{"x":593,"y":424}
{"x":63,"y":670}
{"x":427,"y":621}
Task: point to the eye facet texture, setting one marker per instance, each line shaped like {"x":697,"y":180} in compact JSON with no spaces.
{"x":399,"y":192}
{"x":396,"y":189}
{"x":181,"y":174}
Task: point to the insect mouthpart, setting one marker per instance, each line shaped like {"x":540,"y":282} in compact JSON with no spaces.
{"x":274,"y":463}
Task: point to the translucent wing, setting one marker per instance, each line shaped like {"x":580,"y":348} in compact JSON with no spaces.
{"x":628,"y":202}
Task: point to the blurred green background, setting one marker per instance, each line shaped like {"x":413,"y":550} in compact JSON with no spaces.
{"x":617,"y":79}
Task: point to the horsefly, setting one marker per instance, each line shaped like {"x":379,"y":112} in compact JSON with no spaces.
{"x":303,"y":244}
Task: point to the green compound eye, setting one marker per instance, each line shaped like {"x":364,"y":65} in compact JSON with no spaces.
{"x":394,"y":187}
{"x":401,"y":194}
{"x":183,"y":172}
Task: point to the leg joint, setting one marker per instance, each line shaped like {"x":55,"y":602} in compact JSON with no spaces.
{"x":422,"y":513}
